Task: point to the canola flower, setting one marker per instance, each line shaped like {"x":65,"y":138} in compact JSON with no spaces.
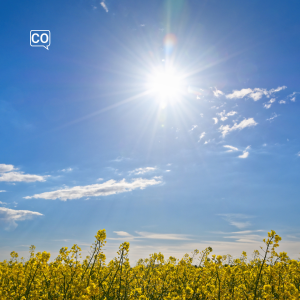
{"x":267,"y":276}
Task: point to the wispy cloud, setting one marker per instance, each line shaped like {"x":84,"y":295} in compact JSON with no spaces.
{"x":120,"y":159}
{"x":231,"y":113}
{"x":67,"y":170}
{"x":224,"y":116}
{"x":107,"y":188}
{"x":162,"y":236}
{"x":267,"y":105}
{"x":237,"y":220}
{"x":231,"y":148}
{"x":122,"y":233}
{"x":140,"y":171}
{"x":201,"y":136}
{"x":2,"y":191}
{"x":193,"y":127}
{"x":255,"y":94}
{"x":151,"y":235}
{"x":293,"y":96}
{"x":3,"y":203}
{"x":104,"y":6}
{"x":9,"y":217}
{"x":216,"y":120}
{"x":274,"y":115}
{"x":282,"y":102}
{"x":225,"y":129}
{"x":245,"y":153}
{"x":245,"y":238}
{"x":217,"y":93}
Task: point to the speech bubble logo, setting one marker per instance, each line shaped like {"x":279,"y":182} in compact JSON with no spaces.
{"x":40,"y":38}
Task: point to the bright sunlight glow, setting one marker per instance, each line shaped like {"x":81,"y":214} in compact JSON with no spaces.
{"x":166,"y":84}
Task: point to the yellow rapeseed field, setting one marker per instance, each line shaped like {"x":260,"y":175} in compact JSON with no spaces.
{"x":267,"y":276}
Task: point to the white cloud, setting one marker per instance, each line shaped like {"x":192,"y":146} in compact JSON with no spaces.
{"x":9,"y":217}
{"x":209,"y":141}
{"x":272,"y":100}
{"x":3,"y":203}
{"x":7,"y":175}
{"x":6,"y":168}
{"x":245,"y":238}
{"x":293,"y":99}
{"x":194,"y":126}
{"x":216,"y":120}
{"x":274,"y":115}
{"x":123,"y":233}
{"x":298,"y":154}
{"x":231,"y":148}
{"x":21,"y":177}
{"x":267,"y":106}
{"x":231,"y":113}
{"x":237,"y":220}
{"x":282,"y":102}
{"x":150,"y":235}
{"x":224,"y":116}
{"x":280,"y":88}
{"x":120,"y":159}
{"x":110,"y":187}
{"x":140,"y":171}
{"x":245,"y":153}
{"x":239,"y":94}
{"x":100,"y":179}
{"x":225,"y":129}
{"x":202,"y":136}
{"x":2,"y":191}
{"x":217,"y":92}
{"x":162,"y":236}
{"x":255,"y":94}
{"x":104,"y":6}
{"x":67,"y":170}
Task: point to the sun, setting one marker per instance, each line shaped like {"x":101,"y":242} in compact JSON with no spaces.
{"x":166,"y":84}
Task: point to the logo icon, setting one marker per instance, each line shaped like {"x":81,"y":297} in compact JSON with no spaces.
{"x":40,"y":38}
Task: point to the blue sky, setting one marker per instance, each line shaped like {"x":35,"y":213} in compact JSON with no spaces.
{"x":174,"y":125}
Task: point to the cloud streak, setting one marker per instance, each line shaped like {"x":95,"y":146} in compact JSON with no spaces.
{"x":8,"y":173}
{"x":110,"y":187}
{"x":151,"y":235}
{"x":10,"y":217}
{"x":104,"y":6}
{"x":140,"y":171}
{"x":225,"y":129}
{"x":254,"y":94}
{"x":231,"y":148}
{"x":237,"y":220}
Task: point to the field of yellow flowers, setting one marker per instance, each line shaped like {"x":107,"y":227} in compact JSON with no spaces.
{"x":266,"y":276}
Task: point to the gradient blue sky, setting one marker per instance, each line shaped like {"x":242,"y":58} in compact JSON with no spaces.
{"x":86,"y":145}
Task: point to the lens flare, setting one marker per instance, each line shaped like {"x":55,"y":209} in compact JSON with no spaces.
{"x":170,"y":42}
